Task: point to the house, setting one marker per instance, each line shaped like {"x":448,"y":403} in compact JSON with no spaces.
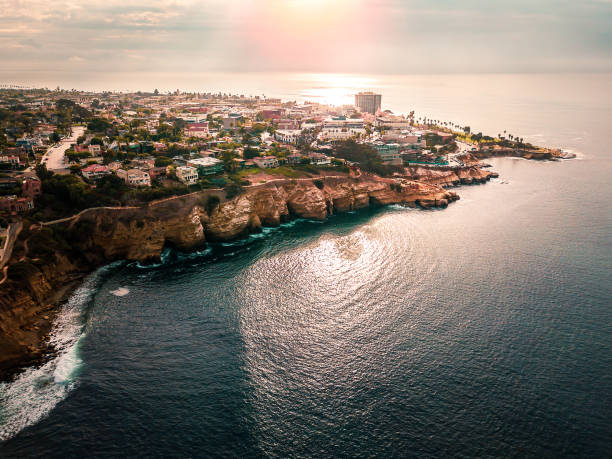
{"x":319,"y":159}
{"x":31,"y":186}
{"x":94,"y":149}
{"x":187,"y":175}
{"x":294,"y":158}
{"x":206,"y":166}
{"x":114,"y":166}
{"x":266,"y":161}
{"x":15,"y":205}
{"x":12,"y":160}
{"x":388,"y":152}
{"x":134,"y":177}
{"x":156,"y":171}
{"x":95,"y":171}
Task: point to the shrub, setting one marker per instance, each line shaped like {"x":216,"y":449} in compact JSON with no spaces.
{"x":211,"y":204}
{"x":318,"y":183}
{"x":232,"y":190}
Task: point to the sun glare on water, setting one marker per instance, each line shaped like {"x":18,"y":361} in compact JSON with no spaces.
{"x":334,"y":89}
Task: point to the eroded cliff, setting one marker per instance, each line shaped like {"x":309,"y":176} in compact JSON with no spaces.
{"x":34,"y":285}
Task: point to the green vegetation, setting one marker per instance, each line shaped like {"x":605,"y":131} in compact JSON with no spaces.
{"x":209,"y":203}
{"x":366,"y":156}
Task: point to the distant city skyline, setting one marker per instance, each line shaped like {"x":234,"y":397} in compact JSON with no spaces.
{"x":343,"y":36}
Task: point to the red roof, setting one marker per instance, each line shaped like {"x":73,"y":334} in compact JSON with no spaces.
{"x":95,"y":168}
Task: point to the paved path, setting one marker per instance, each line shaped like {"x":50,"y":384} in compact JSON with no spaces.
{"x":55,"y":156}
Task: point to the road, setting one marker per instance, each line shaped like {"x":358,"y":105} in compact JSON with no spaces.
{"x":55,"y":156}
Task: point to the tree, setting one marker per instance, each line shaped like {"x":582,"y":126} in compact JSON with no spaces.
{"x":55,"y":137}
{"x":249,"y":153}
{"x":98,"y":125}
{"x":156,"y":92}
{"x":42,"y":172}
{"x":162,"y":161}
{"x":228,"y":161}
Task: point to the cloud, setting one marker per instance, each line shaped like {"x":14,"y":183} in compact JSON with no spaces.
{"x":369,"y":36}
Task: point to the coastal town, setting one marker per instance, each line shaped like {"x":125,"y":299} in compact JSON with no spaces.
{"x":63,"y":151}
{"x":91,"y":178}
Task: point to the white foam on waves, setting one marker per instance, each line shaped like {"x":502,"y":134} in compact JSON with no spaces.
{"x":121,"y":291}
{"x":36,"y":391}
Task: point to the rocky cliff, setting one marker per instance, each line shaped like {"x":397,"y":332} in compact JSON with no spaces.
{"x":449,"y":176}
{"x":35,"y":284}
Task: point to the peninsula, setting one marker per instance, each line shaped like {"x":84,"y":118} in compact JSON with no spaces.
{"x":91,"y":178}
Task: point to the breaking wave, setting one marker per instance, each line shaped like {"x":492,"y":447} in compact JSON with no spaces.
{"x":32,"y":395}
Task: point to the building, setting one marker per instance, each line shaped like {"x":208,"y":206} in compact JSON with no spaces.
{"x":294,"y":158}
{"x":95,"y":171}
{"x":186,"y":174}
{"x":231,"y":121}
{"x":319,"y":159}
{"x":93,"y":149}
{"x":194,"y":131}
{"x":388,"y":152}
{"x":31,"y":186}
{"x":368,"y":102}
{"x":272,"y":114}
{"x":287,"y":124}
{"x":12,"y":160}
{"x":206,"y":166}
{"x":288,"y":135}
{"x":266,"y":161}
{"x":395,"y":122}
{"x":413,"y":140}
{"x":15,"y":205}
{"x":134,"y":177}
{"x":341,"y":128}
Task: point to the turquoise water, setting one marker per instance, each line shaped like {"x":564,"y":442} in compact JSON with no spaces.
{"x":482,"y":329}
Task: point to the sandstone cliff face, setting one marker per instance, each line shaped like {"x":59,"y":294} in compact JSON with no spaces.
{"x":99,"y":236}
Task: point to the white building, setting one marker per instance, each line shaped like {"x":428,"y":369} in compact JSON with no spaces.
{"x":266,"y":161}
{"x":186,"y":174}
{"x":206,"y":166}
{"x":95,"y":171}
{"x":319,"y":159}
{"x":394,"y":122}
{"x":288,"y":135}
{"x":134,"y":177}
{"x":341,"y":128}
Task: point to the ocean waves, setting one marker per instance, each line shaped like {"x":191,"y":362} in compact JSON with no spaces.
{"x":35,"y":392}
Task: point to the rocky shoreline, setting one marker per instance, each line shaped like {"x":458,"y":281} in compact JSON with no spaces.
{"x":34,"y":289}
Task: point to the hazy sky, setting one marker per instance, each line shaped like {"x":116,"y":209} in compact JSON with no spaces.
{"x":363,"y":36}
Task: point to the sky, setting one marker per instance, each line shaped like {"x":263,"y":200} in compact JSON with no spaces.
{"x":348,"y":36}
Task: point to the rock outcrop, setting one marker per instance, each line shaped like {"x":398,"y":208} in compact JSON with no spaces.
{"x":449,"y":176}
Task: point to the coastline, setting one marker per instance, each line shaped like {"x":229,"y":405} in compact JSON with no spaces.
{"x":140,"y":234}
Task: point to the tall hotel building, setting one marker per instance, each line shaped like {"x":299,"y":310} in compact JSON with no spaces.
{"x":368,"y":102}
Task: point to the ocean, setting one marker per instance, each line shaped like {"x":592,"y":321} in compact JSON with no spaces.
{"x":483,"y":329}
